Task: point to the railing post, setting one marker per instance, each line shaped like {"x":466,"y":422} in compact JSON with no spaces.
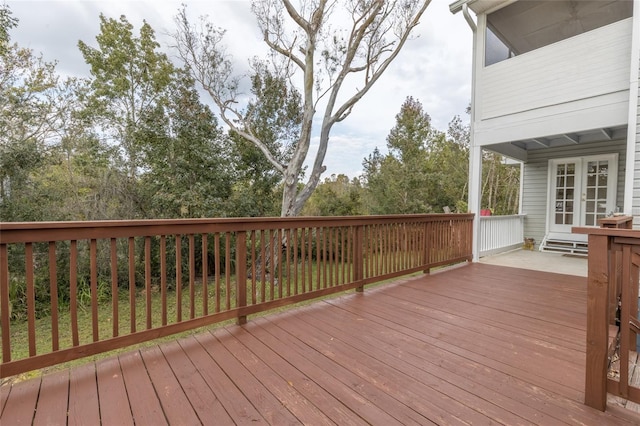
{"x":358,"y":252}
{"x":241,"y":274}
{"x":597,"y":322}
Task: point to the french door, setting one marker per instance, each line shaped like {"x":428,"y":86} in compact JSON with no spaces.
{"x":581,"y":191}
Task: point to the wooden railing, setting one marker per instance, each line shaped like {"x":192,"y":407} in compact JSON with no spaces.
{"x":500,"y":233}
{"x":89,"y":287}
{"x":612,"y":311}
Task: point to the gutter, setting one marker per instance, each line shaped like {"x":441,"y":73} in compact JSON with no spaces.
{"x":459,"y":5}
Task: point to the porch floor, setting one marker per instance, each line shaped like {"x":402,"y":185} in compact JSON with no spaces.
{"x":479,"y":344}
{"x":541,"y":261}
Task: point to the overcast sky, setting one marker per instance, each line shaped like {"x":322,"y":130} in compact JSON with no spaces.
{"x":434,"y":68}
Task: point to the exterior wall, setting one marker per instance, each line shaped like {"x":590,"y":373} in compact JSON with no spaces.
{"x":555,"y":89}
{"x":535,"y":185}
{"x":636,"y":175}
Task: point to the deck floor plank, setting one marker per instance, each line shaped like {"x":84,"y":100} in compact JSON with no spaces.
{"x":175,"y":404}
{"x":233,"y":400}
{"x":479,"y":344}
{"x":282,"y":389}
{"x":332,"y":407}
{"x":114,"y":401}
{"x":145,"y":405}
{"x":204,"y":401}
{"x":260,"y":396}
{"x":366,"y":401}
{"x":20,"y":407}
{"x":84,"y":404}
{"x":54,"y":391}
{"x":423,"y":385}
{"x":428,"y":367}
{"x":434,"y":406}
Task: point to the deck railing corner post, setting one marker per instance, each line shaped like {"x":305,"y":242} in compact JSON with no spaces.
{"x":597,"y":322}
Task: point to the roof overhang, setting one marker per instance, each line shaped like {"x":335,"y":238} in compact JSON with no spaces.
{"x":519,"y":149}
{"x":478,"y":6}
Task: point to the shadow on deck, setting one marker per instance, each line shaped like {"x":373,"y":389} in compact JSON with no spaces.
{"x":476,"y":344}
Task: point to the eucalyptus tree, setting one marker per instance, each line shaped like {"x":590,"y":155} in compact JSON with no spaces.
{"x":333,"y":51}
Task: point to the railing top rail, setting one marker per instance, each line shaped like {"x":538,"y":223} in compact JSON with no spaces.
{"x":15,"y":232}
{"x":612,"y":232}
{"x":502,"y":217}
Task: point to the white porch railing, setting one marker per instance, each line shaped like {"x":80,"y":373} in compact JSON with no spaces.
{"x":500,"y":233}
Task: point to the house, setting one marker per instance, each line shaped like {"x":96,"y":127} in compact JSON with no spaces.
{"x":555,"y":86}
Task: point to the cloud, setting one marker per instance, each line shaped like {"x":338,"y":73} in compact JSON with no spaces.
{"x":434,"y":67}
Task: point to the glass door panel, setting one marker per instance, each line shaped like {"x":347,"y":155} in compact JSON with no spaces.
{"x":565,"y":195}
{"x":596,"y":190}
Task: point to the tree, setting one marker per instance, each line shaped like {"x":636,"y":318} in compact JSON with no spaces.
{"x":400,"y":182}
{"x":184,"y":156}
{"x":275,"y":114}
{"x":338,"y":66}
{"x":336,"y":196}
{"x":34,"y":109}
{"x":129,"y":80}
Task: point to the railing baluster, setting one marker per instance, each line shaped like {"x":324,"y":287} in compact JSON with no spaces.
{"x":624,"y":325}
{"x":205,"y":273}
{"x":178,"y":278}
{"x":254,"y":292}
{"x":53,"y":290}
{"x":216,"y":260}
{"x":163,"y":279}
{"x":114,"y":288}
{"x":31,"y":298}
{"x":227,"y":269}
{"x":132,"y":285}
{"x":93,"y":264}
{"x":192,"y":277}
{"x":5,"y":303}
{"x":147,"y":280}
{"x":241,"y":274}
{"x":73,"y":290}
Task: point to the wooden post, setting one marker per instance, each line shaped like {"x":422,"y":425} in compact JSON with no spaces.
{"x":241,"y":274}
{"x":358,"y":252}
{"x":597,"y":323}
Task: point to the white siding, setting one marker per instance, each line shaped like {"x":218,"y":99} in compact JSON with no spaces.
{"x":535,"y":188}
{"x":636,"y":175}
{"x":585,"y":74}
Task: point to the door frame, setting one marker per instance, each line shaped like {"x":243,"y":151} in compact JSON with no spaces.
{"x":612,"y":187}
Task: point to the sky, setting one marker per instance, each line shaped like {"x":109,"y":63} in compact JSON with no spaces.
{"x":434,"y":67}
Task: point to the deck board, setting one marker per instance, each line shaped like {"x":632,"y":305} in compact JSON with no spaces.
{"x":479,"y":344}
{"x":55,"y":393}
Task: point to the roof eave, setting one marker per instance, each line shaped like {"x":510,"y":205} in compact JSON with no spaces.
{"x":456,"y":6}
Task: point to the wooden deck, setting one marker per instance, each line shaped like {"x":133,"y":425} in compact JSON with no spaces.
{"x":479,"y":344}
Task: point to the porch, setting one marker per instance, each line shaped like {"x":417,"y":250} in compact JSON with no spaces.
{"x":474,"y":344}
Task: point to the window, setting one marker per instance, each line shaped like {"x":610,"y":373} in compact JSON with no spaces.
{"x":527,"y":25}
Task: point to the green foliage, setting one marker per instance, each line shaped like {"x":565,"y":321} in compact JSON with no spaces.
{"x":185,"y":156}
{"x":129,"y":81}
{"x":427,"y":170}
{"x":400,"y":182}
{"x":336,"y":196}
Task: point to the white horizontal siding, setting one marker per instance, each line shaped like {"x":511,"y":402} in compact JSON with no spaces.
{"x":585,"y":66}
{"x":636,"y":175}
{"x":535,"y":185}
